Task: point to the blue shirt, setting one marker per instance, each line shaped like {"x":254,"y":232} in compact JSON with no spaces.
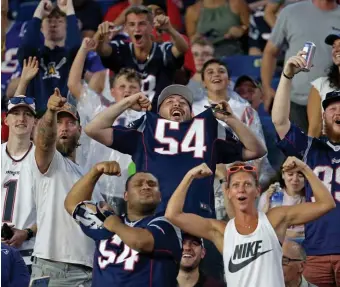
{"x":322,"y":236}
{"x":157,"y":72}
{"x":116,"y":264}
{"x":54,"y":65}
{"x":14,"y":272}
{"x":169,"y":149}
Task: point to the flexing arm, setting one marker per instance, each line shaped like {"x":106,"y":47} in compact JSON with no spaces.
{"x":314,"y":113}
{"x":281,"y":106}
{"x":100,"y":128}
{"x":29,"y":71}
{"x":138,"y":239}
{"x":47,"y":132}
{"x":305,"y":212}
{"x":210,"y":229}
{"x":83,"y":188}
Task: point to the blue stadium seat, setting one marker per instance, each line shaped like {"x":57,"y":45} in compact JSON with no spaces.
{"x":26,"y":10}
{"x":244,"y":65}
{"x":106,"y":4}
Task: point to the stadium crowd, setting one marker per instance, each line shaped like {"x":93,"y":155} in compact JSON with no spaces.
{"x":170,"y":143}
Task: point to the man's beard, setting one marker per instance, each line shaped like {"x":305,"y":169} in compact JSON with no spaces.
{"x":67,"y":148}
{"x":331,"y":134}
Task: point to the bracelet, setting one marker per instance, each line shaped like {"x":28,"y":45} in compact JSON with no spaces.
{"x":30,"y":233}
{"x":289,"y":78}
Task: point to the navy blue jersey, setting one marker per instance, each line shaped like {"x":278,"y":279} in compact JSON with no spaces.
{"x":169,"y":149}
{"x":54,"y":64}
{"x":322,"y":235}
{"x":116,"y":264}
{"x":157,"y":71}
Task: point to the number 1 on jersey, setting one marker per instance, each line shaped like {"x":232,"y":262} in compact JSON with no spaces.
{"x":194,"y":140}
{"x":11,"y":189}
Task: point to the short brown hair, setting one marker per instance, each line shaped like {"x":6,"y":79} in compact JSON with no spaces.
{"x":56,"y":13}
{"x":130,"y":74}
{"x":201,"y":41}
{"x":240,"y":163}
{"x":138,"y":10}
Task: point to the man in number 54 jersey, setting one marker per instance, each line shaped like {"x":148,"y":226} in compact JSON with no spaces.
{"x":17,"y":199}
{"x":170,"y":143}
{"x":139,"y":248}
{"x":322,"y":155}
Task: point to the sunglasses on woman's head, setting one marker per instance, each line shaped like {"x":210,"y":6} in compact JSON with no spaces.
{"x":237,"y":168}
{"x":18,"y":100}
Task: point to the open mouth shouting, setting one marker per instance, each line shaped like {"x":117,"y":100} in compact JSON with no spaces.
{"x":176,"y":113}
{"x":187,"y":256}
{"x":138,"y":38}
{"x":241,"y":198}
{"x":216,"y":81}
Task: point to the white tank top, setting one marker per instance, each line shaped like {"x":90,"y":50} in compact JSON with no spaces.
{"x":253,"y":260}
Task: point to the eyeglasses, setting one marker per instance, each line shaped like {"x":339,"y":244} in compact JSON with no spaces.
{"x":287,"y":260}
{"x":18,"y":100}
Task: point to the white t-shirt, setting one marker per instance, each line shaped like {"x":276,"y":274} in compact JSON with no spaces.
{"x":322,"y":85}
{"x":59,"y":237}
{"x":92,"y":152}
{"x":17,"y":194}
{"x":254,"y":259}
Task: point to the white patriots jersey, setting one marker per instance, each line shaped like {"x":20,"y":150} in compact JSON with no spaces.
{"x":17,"y":195}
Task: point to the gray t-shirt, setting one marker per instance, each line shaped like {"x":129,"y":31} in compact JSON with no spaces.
{"x":301,"y":22}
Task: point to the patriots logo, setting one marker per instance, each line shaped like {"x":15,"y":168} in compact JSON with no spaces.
{"x":85,"y":214}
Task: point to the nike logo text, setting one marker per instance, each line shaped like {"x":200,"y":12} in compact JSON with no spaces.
{"x":243,"y":251}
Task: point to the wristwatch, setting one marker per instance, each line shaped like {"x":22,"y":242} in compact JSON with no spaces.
{"x":30,"y":233}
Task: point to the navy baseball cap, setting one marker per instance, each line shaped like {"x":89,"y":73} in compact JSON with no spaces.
{"x":330,"y":39}
{"x":331,"y":97}
{"x":193,"y":237}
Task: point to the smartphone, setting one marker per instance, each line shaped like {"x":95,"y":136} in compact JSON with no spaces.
{"x":6,"y":232}
{"x":214,"y":109}
{"x":40,"y":282}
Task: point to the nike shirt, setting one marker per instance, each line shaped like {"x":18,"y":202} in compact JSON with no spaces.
{"x":247,"y":256}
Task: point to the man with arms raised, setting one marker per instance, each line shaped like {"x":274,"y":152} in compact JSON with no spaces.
{"x":61,"y":249}
{"x":157,"y":63}
{"x":322,"y":156}
{"x":251,"y":241}
{"x":170,"y":143}
{"x":139,"y":248}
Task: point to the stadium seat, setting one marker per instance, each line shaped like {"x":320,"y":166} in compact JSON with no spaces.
{"x":106,"y":4}
{"x":244,"y":65}
{"x":26,"y":10}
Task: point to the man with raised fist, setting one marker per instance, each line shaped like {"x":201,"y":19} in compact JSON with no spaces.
{"x":139,"y":248}
{"x":61,"y":249}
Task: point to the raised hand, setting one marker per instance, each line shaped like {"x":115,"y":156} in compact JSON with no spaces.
{"x":293,"y":164}
{"x":30,"y":69}
{"x":64,"y":5}
{"x":295,"y":64}
{"x":162,"y":22}
{"x":88,"y":44}
{"x":106,"y":31}
{"x":56,"y":101}
{"x":225,"y":112}
{"x":201,"y":171}
{"x":139,"y":102}
{"x":109,"y":168}
{"x":44,"y":8}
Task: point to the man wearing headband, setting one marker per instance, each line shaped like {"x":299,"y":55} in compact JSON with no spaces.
{"x":171,"y":142}
{"x":251,"y":241}
{"x":17,"y":204}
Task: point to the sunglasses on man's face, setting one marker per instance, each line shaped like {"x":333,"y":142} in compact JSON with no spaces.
{"x":19,"y":100}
